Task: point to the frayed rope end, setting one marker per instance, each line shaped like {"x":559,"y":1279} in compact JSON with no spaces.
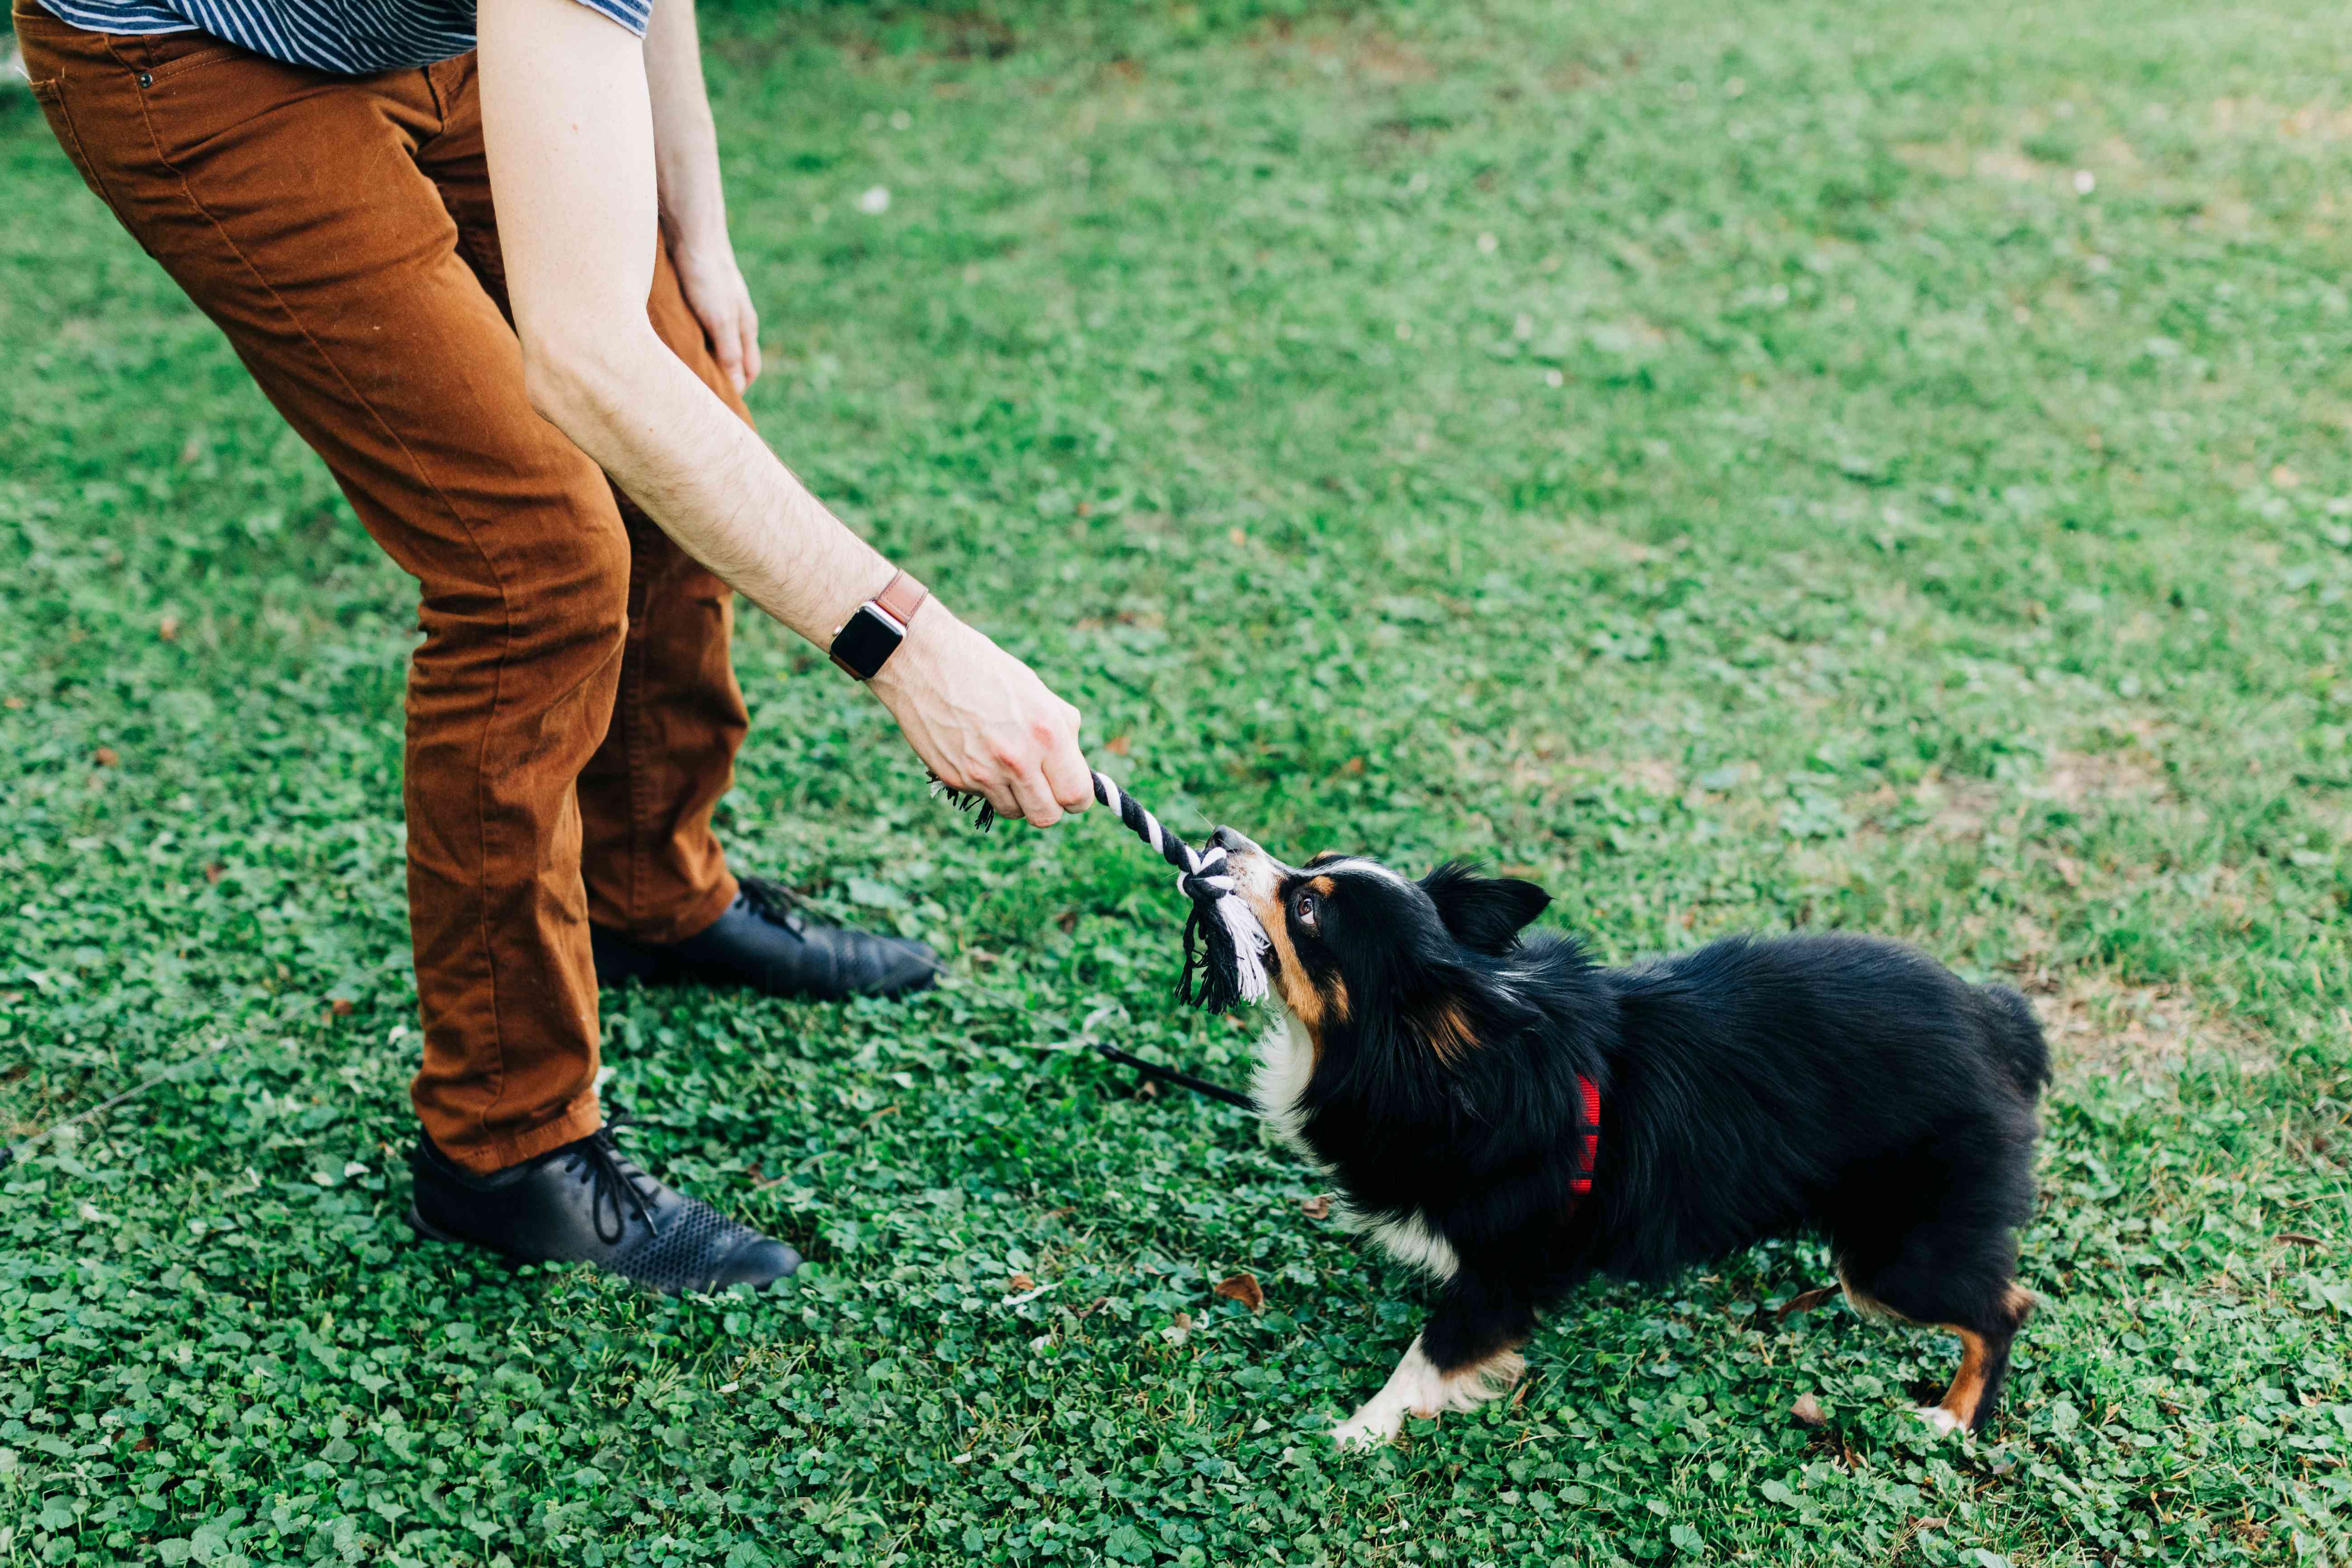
{"x":1224,"y":955}
{"x":983,"y":816}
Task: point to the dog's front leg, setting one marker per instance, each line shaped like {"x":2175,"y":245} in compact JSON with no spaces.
{"x":1467,"y":1354}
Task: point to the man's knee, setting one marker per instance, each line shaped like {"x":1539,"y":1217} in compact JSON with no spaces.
{"x":556,"y":608}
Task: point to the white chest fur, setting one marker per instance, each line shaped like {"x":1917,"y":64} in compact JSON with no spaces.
{"x":1285,"y":1061}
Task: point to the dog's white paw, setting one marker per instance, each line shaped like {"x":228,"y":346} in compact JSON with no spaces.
{"x":1944,"y":1422}
{"x":1367,"y":1429}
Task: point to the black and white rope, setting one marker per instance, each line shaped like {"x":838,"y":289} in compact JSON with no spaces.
{"x":1231,"y":969}
{"x":1226,"y":948}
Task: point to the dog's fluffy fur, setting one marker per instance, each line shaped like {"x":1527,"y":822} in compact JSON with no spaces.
{"x":1843,"y":1085}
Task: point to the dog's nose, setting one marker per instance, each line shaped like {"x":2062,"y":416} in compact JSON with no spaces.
{"x":1231,"y":843}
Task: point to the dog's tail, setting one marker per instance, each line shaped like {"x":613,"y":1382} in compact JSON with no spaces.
{"x":2016,"y":1035}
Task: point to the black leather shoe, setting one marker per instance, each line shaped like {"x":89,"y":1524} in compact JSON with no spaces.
{"x":589,"y":1203}
{"x":767,"y":941}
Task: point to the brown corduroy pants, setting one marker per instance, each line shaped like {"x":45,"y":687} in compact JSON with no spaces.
{"x":571,"y":714}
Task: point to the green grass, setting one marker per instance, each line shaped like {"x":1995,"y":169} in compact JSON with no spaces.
{"x":1711,"y":458}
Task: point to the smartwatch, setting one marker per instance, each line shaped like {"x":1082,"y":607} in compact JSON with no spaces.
{"x":867,"y":639}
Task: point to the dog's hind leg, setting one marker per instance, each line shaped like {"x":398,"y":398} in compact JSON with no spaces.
{"x":1930,"y":1237}
{"x":1983,"y":1310}
{"x":1975,"y":1390}
{"x":1467,"y":1354}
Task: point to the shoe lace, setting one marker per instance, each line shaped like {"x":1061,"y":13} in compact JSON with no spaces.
{"x":775,"y":904}
{"x":597,"y":1161}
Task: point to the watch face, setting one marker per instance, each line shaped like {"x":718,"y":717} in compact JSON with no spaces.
{"x":866,"y":642}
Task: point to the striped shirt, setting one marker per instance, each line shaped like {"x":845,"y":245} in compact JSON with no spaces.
{"x":350,"y":38}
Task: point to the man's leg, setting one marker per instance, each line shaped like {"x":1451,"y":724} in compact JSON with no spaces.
{"x":653,"y":868}
{"x":288,"y":203}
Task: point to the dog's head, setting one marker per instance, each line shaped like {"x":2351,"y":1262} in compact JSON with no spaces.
{"x":1363,"y":951}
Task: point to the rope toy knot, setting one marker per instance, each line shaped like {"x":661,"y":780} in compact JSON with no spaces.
{"x":1208,"y":881}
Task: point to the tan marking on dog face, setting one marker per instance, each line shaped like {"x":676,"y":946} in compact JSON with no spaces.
{"x":1257,"y":881}
{"x":1290,"y":983}
{"x":1314,"y":1006}
{"x":2018,"y":1302}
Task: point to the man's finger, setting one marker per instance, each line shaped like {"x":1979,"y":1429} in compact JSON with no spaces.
{"x":1066,"y":774}
{"x":727,"y":348}
{"x":750,"y":325}
{"x":1000,"y":799}
{"x":1037,"y":805}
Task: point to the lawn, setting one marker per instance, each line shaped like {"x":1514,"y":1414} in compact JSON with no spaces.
{"x":1828,"y":463}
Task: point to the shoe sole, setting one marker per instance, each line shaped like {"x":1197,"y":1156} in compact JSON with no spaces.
{"x":427,"y":1231}
{"x":431,"y":1232}
{"x":713,"y":978}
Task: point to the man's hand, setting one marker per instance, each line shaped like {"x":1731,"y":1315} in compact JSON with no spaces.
{"x":983,"y":721}
{"x":714,"y":287}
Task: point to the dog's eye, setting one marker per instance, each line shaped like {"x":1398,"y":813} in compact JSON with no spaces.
{"x":1307,"y":909}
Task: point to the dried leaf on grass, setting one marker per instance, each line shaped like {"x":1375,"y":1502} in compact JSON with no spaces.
{"x":1804,"y":1301}
{"x":1243,"y":1288}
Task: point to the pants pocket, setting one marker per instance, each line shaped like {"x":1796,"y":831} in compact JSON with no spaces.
{"x":170,"y":54}
{"x":51,"y":97}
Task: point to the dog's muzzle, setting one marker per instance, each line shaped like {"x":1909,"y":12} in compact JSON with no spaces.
{"x":1256,"y":873}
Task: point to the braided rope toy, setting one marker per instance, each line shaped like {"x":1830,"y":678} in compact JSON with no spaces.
{"x":1225,"y":946}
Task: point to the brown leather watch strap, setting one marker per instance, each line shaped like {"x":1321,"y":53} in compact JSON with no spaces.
{"x":901,"y":599}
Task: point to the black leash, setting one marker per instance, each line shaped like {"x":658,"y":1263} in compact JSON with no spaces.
{"x":1182,"y":1080}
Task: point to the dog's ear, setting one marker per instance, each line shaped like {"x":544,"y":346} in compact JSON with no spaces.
{"x":1484,"y":913}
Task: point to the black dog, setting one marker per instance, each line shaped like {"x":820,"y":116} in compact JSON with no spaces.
{"x":1509,"y":1116}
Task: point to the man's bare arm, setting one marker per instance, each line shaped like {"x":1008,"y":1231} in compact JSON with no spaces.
{"x":568,"y":122}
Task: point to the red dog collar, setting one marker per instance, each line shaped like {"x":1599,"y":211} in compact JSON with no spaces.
{"x":1589,"y":1146}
